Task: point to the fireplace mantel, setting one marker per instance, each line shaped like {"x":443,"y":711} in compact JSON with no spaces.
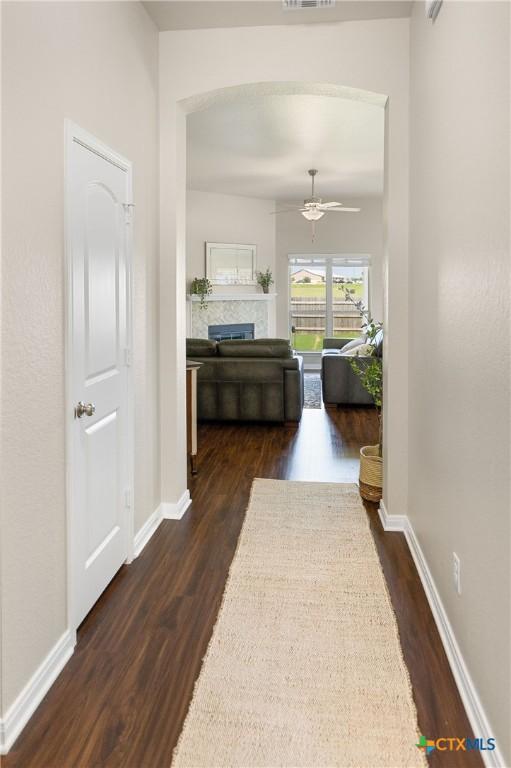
{"x":234,"y":297}
{"x":229,"y":308}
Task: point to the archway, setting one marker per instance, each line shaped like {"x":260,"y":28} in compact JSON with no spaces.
{"x":209,"y":80}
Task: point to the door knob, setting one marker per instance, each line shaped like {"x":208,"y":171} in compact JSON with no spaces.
{"x":84,"y":409}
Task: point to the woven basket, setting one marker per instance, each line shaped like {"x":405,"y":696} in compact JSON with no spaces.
{"x":371,"y":473}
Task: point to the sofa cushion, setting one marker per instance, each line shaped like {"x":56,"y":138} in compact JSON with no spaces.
{"x":240,"y":369}
{"x":280,"y":348}
{"x":201,"y":348}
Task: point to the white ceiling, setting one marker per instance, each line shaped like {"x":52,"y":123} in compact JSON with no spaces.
{"x":202,"y":14}
{"x":263,"y":146}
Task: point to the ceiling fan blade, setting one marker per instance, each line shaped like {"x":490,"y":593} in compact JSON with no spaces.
{"x":285,"y":210}
{"x":342,"y":210}
{"x":330,"y":205}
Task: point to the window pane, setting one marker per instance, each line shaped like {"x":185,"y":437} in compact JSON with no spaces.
{"x":347,"y":322}
{"x":308,"y":307}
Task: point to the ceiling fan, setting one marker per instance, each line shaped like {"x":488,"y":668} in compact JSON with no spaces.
{"x":313,"y":208}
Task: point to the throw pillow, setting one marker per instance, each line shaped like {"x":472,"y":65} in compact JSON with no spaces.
{"x":378,"y":344}
{"x":352,"y":344}
{"x":361,"y":350}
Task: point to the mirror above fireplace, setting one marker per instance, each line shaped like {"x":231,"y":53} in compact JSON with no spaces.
{"x":231,"y":263}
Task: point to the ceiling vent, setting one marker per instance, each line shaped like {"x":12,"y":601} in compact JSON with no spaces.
{"x":298,"y":5}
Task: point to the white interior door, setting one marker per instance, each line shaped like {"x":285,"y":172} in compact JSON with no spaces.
{"x":98,"y":239}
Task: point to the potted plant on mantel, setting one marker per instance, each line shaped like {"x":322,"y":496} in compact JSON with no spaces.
{"x":265,"y":279}
{"x":370,"y":372}
{"x":202,"y":287}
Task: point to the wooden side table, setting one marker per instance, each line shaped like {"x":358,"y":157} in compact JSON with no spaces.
{"x":191,"y":413}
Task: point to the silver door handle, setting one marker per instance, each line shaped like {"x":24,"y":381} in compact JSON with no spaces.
{"x":84,"y":409}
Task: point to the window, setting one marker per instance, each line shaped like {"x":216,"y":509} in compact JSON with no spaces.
{"x":317,"y":298}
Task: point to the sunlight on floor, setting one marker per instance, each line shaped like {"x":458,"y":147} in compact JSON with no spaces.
{"x":315,"y":454}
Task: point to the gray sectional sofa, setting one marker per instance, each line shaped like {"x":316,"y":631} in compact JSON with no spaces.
{"x":247,"y":380}
{"x":341,"y":386}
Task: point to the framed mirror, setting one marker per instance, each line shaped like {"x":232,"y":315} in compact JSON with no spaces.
{"x":231,"y":263}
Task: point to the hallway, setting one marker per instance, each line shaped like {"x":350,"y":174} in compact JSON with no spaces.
{"x":123,"y":696}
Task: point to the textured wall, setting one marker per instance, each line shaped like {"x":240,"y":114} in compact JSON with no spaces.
{"x":459,"y":432}
{"x":95,"y":63}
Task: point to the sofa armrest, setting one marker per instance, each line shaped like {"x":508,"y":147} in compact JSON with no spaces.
{"x":332,"y":342}
{"x":340,"y":383}
{"x":293,"y":391}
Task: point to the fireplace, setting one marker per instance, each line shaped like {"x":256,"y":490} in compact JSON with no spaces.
{"x":231,"y":331}
{"x":255,"y":310}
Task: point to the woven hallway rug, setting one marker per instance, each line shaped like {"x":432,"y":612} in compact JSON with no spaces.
{"x":304,"y":667}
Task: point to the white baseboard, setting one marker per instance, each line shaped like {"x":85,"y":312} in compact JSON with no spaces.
{"x":20,"y":712}
{"x":175,"y":511}
{"x":468,"y":692}
{"x":147,"y":530}
{"x":392,"y":522}
{"x":166,"y":511}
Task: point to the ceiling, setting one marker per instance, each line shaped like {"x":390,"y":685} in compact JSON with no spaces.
{"x":262,"y":146}
{"x":204,"y":14}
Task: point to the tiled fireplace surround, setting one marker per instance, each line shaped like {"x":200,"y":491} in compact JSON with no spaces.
{"x":257,"y":308}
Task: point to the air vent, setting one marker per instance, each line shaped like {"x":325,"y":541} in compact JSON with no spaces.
{"x":298,"y":5}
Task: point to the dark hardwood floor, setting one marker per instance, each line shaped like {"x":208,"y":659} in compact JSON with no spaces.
{"x":122,"y":697}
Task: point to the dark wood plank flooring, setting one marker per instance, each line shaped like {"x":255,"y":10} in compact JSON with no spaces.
{"x":122,"y":697}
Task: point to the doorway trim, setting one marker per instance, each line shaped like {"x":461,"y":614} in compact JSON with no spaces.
{"x":75,"y":134}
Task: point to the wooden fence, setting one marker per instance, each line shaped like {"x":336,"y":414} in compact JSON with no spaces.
{"x":309,"y":316}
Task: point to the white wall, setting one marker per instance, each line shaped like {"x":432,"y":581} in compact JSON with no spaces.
{"x":228,"y":219}
{"x":335,"y":233}
{"x":459,"y":415}
{"x":366,"y":56}
{"x":95,"y":63}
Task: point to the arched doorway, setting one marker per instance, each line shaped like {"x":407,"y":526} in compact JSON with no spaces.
{"x":206,"y":83}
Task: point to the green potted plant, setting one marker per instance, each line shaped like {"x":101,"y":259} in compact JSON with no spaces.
{"x":370,"y":372}
{"x":265,"y":279}
{"x":202,"y":287}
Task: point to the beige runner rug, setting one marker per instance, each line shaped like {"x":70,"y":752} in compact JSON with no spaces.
{"x":304,"y":667}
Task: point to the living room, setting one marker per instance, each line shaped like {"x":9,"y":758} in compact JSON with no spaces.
{"x":248,"y":237}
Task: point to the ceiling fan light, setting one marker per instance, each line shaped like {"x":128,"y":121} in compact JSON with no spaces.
{"x":312,"y":214}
